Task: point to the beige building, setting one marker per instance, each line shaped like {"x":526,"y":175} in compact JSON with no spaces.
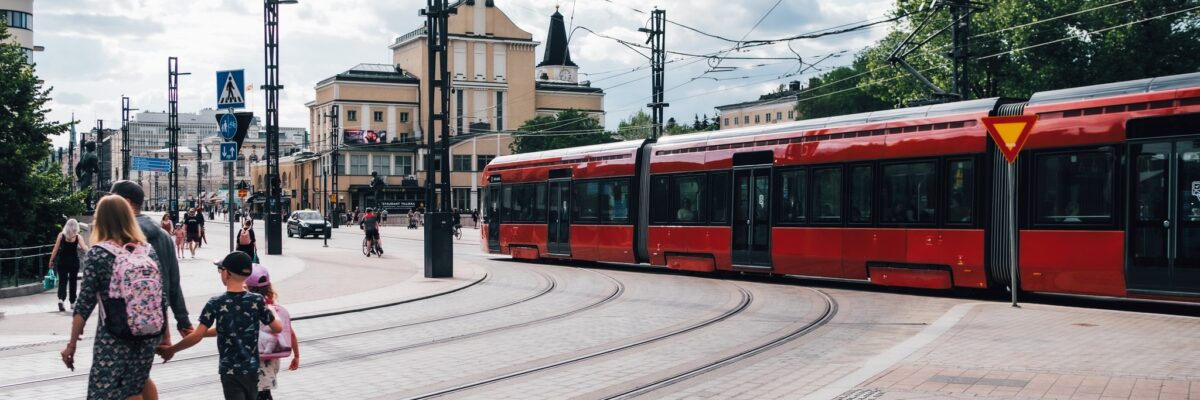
{"x":769,"y":109}
{"x":18,"y":15}
{"x":497,"y":86}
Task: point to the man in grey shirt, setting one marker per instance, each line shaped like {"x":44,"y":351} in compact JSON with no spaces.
{"x":161,"y":242}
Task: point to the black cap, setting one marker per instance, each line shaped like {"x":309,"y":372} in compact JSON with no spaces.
{"x":130,"y":190}
{"x":237,"y":262}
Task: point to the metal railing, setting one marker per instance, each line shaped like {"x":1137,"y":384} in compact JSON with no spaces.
{"x":23,"y":265}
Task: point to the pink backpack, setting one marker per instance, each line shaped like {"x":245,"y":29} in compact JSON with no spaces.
{"x":134,"y":308}
{"x":273,"y":346}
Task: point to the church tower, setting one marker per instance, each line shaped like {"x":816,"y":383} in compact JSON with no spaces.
{"x":556,"y":65}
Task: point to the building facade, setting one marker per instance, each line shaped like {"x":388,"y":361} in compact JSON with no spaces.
{"x":202,"y":177}
{"x":769,"y":109}
{"x":18,"y":15}
{"x":382,"y":113}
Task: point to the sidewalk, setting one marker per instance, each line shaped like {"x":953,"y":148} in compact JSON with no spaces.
{"x":310,"y":279}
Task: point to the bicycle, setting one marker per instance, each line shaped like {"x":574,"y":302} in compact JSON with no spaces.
{"x":457,"y":231}
{"x":370,"y":247}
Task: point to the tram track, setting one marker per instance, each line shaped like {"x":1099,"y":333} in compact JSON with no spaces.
{"x":617,"y":291}
{"x":831,"y":310}
{"x":745,"y":300}
{"x":550,"y":285}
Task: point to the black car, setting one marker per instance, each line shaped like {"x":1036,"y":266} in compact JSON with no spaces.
{"x":308,"y":222}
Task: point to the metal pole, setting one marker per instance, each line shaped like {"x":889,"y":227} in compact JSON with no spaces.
{"x":199,"y":171}
{"x":173,"y":136}
{"x":335,"y":162}
{"x":1014,"y":280}
{"x":124,"y":137}
{"x":272,"y":86}
{"x":658,"y":60}
{"x":100,"y":153}
{"x":229,"y":204}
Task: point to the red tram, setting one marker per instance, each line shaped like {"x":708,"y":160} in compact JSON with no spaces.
{"x":1108,"y":188}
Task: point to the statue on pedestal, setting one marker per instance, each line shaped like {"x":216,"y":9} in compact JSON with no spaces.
{"x":377,"y":185}
{"x":87,"y":171}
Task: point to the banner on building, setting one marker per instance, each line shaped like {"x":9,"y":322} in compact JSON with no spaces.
{"x":358,"y":136}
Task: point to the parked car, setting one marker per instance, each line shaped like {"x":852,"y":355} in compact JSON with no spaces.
{"x":308,"y":222}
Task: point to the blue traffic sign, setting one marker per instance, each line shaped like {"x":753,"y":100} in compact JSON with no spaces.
{"x":229,"y":151}
{"x":150,"y":164}
{"x":228,"y":126}
{"x":231,"y":89}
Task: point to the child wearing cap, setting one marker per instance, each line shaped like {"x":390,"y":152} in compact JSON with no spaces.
{"x":272,"y":347}
{"x":235,"y":315}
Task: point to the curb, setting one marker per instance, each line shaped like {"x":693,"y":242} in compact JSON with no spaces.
{"x":25,"y":290}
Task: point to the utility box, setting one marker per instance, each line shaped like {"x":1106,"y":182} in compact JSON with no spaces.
{"x":439,"y":244}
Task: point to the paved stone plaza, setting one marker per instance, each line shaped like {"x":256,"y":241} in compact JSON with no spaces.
{"x":375,"y":328}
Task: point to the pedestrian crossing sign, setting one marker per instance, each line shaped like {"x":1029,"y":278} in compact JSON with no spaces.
{"x":230,"y":89}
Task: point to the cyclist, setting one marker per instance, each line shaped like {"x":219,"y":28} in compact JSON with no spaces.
{"x":370,"y":224}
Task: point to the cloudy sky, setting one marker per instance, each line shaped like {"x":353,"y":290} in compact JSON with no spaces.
{"x":99,"y":50}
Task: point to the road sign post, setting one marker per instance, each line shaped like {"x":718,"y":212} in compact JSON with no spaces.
{"x":1010,"y":134}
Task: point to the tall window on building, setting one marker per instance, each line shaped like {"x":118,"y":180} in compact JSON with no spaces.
{"x":481,"y":161}
{"x":778,"y":116}
{"x":404,"y":165}
{"x":404,"y":117}
{"x":339,"y":164}
{"x":377,"y":116}
{"x":768,"y":117}
{"x":352,"y":115}
{"x":756,"y":120}
{"x":462,"y":198}
{"x":458,"y":111}
{"x":241,"y":166}
{"x":462,"y":163}
{"x":358,"y":164}
{"x":499,"y":111}
{"x":792,"y":114}
{"x":382,"y":164}
{"x":746,"y":119}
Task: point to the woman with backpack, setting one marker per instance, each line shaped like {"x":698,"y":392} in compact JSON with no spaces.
{"x":246,"y":242}
{"x":65,"y":261}
{"x":121,"y":276}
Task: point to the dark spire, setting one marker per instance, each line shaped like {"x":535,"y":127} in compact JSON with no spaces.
{"x":556,"y":43}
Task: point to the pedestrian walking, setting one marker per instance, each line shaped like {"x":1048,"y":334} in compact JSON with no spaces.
{"x":65,"y":261}
{"x":203,"y":234}
{"x":121,"y":268}
{"x":167,"y":225}
{"x":180,"y":240}
{"x":168,"y":265}
{"x":246,"y":242}
{"x":272,"y":347}
{"x":475,"y":218}
{"x":383,"y":214}
{"x":234,"y":315}
{"x":192,"y":222}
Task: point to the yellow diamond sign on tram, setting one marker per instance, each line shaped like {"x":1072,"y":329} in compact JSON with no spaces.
{"x":1010,"y":133}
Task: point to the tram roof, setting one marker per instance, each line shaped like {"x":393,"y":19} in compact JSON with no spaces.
{"x":1116,"y":88}
{"x":936,"y":110}
{"x":568,"y":152}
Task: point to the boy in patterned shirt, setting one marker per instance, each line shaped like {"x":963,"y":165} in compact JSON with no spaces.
{"x":233,"y":317}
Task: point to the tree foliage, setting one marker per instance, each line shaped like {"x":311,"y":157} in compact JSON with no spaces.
{"x":568,"y":128}
{"x":34,"y":193}
{"x":1019,"y":47}
{"x":835,"y":93}
{"x":636,"y":127}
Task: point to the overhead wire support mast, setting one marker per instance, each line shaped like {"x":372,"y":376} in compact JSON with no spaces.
{"x":658,"y":59}
{"x":439,"y":256}
{"x":125,"y":137}
{"x":272,"y":87}
{"x":960,"y":24}
{"x":173,"y":135}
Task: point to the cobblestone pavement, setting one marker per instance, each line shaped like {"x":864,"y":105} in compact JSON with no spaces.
{"x":878,"y":344}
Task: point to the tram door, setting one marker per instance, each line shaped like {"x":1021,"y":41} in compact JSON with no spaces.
{"x":558,"y":227}
{"x":492,"y":205}
{"x":1164,"y":216}
{"x":751,"y":217}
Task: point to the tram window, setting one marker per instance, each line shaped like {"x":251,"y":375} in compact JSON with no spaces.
{"x":1074,"y":188}
{"x":793,"y":189}
{"x":587,"y":201}
{"x":860,"y":194}
{"x":960,"y":192}
{"x":687,"y":195}
{"x":614,"y":200}
{"x":660,"y":194}
{"x":908,"y":193}
{"x":718,"y":186}
{"x":524,"y":203}
{"x":506,"y":204}
{"x":538,"y":207}
{"x":827,"y":195}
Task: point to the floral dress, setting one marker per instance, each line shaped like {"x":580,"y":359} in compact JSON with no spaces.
{"x":119,"y":367}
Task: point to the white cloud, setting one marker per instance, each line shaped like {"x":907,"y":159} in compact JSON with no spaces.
{"x":97,"y":50}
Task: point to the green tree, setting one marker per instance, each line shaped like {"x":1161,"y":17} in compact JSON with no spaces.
{"x":35,"y":195}
{"x":636,"y":127}
{"x":835,"y":93}
{"x":568,"y":128}
{"x":1016,"y":55}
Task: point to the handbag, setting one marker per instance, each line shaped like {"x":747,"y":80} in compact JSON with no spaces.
{"x":50,"y":281}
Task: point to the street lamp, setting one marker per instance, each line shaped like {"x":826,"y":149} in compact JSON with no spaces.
{"x":173,"y":133}
{"x":272,"y":87}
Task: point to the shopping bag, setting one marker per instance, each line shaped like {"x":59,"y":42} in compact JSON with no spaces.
{"x":50,"y":281}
